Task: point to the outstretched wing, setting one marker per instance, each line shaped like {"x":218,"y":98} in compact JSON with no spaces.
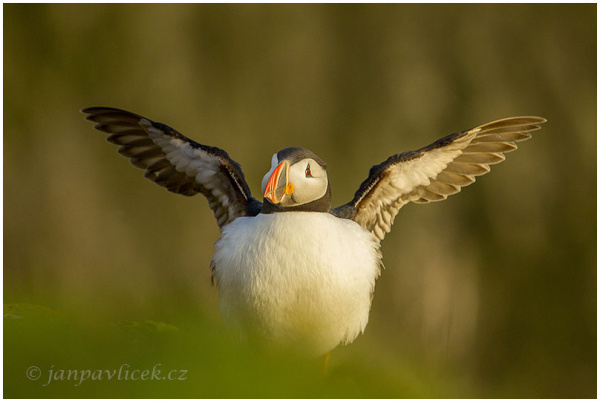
{"x":177,"y":163}
{"x":434,"y":172}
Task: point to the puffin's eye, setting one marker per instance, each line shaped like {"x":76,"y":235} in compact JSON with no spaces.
{"x":307,"y":172}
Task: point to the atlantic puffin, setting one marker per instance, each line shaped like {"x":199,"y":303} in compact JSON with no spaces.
{"x":291,"y":270}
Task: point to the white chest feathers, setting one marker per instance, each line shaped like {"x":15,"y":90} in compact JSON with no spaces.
{"x":298,"y":279}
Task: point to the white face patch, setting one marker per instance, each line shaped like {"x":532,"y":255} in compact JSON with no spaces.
{"x":309,"y":180}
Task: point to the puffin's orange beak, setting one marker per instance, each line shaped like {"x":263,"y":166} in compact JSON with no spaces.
{"x":278,"y":185}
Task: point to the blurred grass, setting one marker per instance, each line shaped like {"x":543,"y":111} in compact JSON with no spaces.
{"x":491,"y":293}
{"x":208,"y":362}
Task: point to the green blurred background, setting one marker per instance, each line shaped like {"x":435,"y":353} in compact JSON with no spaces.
{"x":491,"y":293}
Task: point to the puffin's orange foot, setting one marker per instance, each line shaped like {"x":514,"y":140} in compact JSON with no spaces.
{"x":325,"y":361}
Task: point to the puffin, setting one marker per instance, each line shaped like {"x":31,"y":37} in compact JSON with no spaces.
{"x":291,"y":271}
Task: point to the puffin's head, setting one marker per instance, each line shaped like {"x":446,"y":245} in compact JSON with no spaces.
{"x":297,"y":181}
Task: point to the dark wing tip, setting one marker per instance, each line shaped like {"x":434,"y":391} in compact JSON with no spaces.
{"x":99,"y":112}
{"x":101,"y":109}
{"x":531,"y":119}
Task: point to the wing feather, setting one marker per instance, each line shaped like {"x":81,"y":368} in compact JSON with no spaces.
{"x":177,"y":163}
{"x":434,"y":172}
